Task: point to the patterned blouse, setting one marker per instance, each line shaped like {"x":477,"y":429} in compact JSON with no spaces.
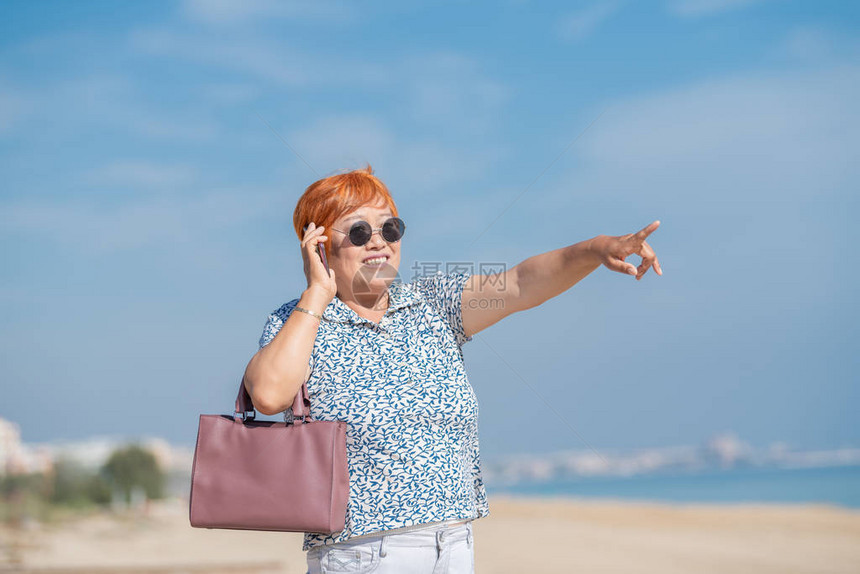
{"x":412,"y":416}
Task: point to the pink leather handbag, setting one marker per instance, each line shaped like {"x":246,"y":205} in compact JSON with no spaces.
{"x":269,"y":475}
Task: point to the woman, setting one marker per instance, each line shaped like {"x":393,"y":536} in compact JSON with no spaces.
{"x":386,"y":357}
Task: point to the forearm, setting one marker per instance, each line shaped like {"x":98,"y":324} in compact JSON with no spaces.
{"x":544,"y":276}
{"x":276,"y":372}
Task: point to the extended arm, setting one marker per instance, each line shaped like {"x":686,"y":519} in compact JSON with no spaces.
{"x":544,"y":276}
{"x":489,"y":299}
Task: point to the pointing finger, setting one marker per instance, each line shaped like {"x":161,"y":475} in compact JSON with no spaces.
{"x":648,"y":230}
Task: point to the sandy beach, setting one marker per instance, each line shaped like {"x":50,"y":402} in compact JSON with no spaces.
{"x":520,"y":535}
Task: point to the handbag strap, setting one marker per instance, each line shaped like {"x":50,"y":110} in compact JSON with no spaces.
{"x":301,"y":407}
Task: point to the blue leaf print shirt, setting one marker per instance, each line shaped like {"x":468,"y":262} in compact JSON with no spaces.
{"x":412,"y":416}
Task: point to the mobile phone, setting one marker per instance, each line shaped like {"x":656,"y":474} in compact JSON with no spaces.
{"x":320,"y":252}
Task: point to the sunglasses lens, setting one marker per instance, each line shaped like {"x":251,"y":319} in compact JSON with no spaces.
{"x":360,"y":233}
{"x":393,"y":229}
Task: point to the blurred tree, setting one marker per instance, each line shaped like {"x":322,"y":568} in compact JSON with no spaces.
{"x":132,"y":467}
{"x":98,"y":490}
{"x":76,"y":486}
{"x":22,"y":497}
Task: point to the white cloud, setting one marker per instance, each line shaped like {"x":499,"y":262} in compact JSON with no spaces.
{"x":342,"y":141}
{"x":760,"y":139}
{"x":141,"y":174}
{"x":231,"y":94}
{"x":450,"y":88}
{"x":818,"y":45}
{"x":425,"y":88}
{"x":788,"y":117}
{"x":231,"y":12}
{"x":105,"y":100}
{"x":700,"y":8}
{"x":442,"y":85}
{"x":351,"y":141}
{"x":14,"y":108}
{"x":97,"y":228}
{"x":252,"y":58}
{"x":581,"y":24}
{"x":153,"y":126}
{"x":428,"y":90}
{"x":256,"y":57}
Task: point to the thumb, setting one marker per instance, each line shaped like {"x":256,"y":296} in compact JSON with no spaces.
{"x":621,"y":266}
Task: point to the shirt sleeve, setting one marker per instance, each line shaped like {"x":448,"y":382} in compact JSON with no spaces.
{"x":275,"y":321}
{"x":445,"y":293}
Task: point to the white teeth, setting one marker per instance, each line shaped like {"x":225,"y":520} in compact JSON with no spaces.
{"x":375,"y":261}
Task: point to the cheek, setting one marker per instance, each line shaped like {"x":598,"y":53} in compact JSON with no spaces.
{"x":339,"y":264}
{"x":341,"y":257}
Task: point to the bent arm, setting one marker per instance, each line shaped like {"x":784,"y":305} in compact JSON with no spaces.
{"x":276,"y":372}
{"x":487,"y":300}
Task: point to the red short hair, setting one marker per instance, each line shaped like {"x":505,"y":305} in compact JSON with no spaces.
{"x":327,"y":200}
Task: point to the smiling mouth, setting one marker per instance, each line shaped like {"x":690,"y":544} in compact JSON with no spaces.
{"x":375,"y":260}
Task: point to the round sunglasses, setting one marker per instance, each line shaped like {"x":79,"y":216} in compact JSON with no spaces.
{"x":360,"y":232}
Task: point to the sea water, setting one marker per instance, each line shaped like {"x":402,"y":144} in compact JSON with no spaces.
{"x":839,"y":485}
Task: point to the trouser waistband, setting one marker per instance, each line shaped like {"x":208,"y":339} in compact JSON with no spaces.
{"x":431,"y":534}
{"x":438,"y":535}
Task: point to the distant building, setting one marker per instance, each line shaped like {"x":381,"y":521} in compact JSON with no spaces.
{"x":18,"y":458}
{"x":726,"y":450}
{"x":171,"y":458}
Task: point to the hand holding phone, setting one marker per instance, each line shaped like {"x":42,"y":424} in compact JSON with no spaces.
{"x":320,"y":277}
{"x":320,"y":252}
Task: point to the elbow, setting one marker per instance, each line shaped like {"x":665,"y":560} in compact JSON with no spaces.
{"x":266,"y":397}
{"x":256,"y":384}
{"x":264,"y":409}
{"x":266,"y":406}
{"x":271,"y":391}
{"x":266,"y":403}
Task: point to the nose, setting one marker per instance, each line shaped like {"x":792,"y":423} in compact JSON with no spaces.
{"x":376,"y":239}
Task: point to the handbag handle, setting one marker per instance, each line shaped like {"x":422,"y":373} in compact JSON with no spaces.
{"x":301,"y":408}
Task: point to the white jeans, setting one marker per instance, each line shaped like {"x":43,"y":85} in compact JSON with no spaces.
{"x":434,"y":549}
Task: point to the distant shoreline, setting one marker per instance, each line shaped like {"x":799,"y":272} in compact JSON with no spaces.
{"x":831,"y":485}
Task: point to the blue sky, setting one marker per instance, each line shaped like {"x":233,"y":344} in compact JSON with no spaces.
{"x":147,"y":206}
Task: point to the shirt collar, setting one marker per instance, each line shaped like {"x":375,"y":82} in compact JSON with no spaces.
{"x":400,"y":295}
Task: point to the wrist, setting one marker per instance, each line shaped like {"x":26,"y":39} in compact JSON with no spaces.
{"x":594,"y":247}
{"x":314,"y":299}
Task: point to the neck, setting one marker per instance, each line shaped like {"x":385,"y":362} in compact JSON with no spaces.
{"x":367,"y":302}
